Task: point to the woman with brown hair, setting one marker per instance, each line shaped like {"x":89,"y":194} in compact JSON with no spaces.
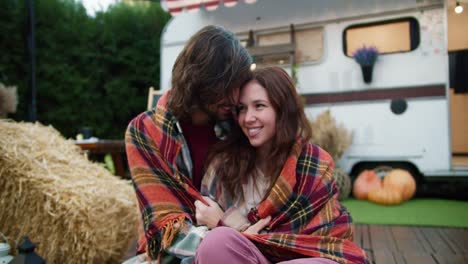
{"x":276,"y":200}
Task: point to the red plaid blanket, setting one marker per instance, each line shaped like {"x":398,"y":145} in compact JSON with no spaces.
{"x":166,"y":196}
{"x":307,"y":218}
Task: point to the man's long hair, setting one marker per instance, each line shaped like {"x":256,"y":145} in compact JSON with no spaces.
{"x":210,"y":67}
{"x":235,"y":158}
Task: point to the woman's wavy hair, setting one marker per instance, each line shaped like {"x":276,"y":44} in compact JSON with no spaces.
{"x":210,"y":67}
{"x":235,"y":158}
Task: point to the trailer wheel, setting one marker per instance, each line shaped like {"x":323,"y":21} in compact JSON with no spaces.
{"x":361,"y":166}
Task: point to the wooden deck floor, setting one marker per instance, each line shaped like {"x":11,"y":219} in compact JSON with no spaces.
{"x":387,"y":244}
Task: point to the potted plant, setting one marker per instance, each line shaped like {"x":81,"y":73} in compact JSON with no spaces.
{"x":366,"y":57}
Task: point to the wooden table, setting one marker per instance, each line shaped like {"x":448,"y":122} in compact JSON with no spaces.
{"x":103,"y":146}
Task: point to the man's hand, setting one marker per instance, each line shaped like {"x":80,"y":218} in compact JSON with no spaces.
{"x":257,"y":227}
{"x":208,"y":215}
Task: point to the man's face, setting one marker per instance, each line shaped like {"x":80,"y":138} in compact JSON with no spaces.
{"x":223,"y":109}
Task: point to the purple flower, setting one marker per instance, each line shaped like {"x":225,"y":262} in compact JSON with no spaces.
{"x":366,"y":56}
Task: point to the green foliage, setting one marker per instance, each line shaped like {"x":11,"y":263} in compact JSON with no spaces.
{"x":91,"y":71}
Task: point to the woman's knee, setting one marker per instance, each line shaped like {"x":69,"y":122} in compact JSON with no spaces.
{"x":309,"y":261}
{"x":217,"y":239}
{"x":223,"y":243}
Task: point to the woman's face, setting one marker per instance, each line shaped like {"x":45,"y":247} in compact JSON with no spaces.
{"x":257,"y":117}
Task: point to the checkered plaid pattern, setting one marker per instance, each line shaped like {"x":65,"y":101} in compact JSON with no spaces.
{"x":307,"y":219}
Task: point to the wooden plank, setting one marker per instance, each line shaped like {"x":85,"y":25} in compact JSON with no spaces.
{"x":407,"y":240}
{"x":436,"y":240}
{"x":385,"y":256}
{"x":417,"y":257}
{"x":370,"y":255}
{"x":361,"y":238}
{"x":381,"y":238}
{"x":386,"y":244}
{"x":452,"y":259}
{"x":357,"y":238}
{"x":366,"y":243}
{"x":419,"y":231}
{"x":383,"y":245}
{"x":457,"y":239}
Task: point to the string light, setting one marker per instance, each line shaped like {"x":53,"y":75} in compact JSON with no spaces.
{"x":253,"y":66}
{"x":458,"y":8}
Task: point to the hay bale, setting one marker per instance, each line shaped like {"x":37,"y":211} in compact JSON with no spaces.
{"x":74,"y":210}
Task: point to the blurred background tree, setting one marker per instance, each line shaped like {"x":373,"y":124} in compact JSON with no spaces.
{"x":91,"y":71}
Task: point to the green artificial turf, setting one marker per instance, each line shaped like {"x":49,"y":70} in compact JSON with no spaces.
{"x":420,"y":212}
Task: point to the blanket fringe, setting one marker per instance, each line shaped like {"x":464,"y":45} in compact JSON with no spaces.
{"x":169,"y":231}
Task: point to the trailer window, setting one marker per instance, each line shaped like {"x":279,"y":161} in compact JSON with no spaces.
{"x":391,"y":36}
{"x":276,"y":48}
{"x":309,"y":43}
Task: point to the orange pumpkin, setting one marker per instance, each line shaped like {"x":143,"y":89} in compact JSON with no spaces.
{"x":364,"y":183}
{"x":402,"y":181}
{"x":385,"y":196}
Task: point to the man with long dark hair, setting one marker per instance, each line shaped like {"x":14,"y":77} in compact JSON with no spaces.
{"x":167,"y":146}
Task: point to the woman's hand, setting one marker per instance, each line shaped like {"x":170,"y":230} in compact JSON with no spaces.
{"x":208,"y":215}
{"x":257,"y":227}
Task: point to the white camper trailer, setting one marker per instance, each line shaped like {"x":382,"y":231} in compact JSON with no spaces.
{"x":401,"y":118}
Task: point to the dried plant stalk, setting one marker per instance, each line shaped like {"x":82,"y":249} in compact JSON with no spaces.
{"x":332,"y":137}
{"x":74,"y":210}
{"x":335,"y":139}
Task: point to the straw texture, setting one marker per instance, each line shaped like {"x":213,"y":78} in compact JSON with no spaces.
{"x":330,"y":135}
{"x":74,"y":210}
